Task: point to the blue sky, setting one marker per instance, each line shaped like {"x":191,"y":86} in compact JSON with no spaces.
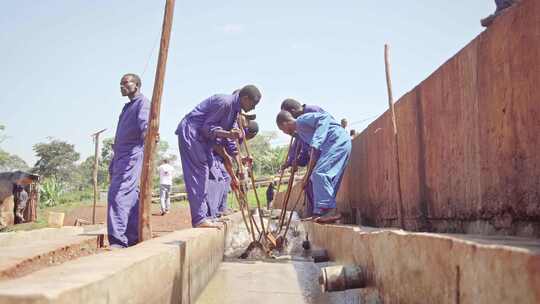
{"x":62,"y":60}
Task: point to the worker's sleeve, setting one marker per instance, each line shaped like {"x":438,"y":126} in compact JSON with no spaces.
{"x":143,"y":117}
{"x":231,"y":146}
{"x":321,"y":123}
{"x":213,"y":119}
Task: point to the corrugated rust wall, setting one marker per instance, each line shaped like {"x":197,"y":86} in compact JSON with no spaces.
{"x":469,"y":141}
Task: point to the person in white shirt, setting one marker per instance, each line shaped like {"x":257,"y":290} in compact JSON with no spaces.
{"x":165,"y":182}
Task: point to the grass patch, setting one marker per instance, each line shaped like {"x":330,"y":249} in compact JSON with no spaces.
{"x":252,"y":201}
{"x":231,"y":199}
{"x":42,"y":215}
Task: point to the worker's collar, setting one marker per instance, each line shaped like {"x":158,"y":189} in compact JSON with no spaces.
{"x":137,"y":96}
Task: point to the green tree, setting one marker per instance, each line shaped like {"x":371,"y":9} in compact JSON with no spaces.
{"x":56,"y":159}
{"x":3,"y":136}
{"x":107,"y":151}
{"x":161,"y":153}
{"x":10,"y":162}
{"x":84,"y":175}
{"x":267,"y":159}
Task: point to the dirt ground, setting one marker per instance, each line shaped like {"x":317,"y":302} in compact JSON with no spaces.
{"x":178,"y":218}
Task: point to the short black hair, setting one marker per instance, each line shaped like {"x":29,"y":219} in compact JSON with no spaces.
{"x":290,"y":104}
{"x":284,"y":116}
{"x":252,"y":128}
{"x":136,"y":77}
{"x":250,"y":91}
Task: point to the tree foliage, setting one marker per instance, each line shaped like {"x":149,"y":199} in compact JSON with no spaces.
{"x":107,"y":151}
{"x":84,"y":175}
{"x":3,"y":135}
{"x":267,"y":159}
{"x":10,"y":162}
{"x":56,"y":159}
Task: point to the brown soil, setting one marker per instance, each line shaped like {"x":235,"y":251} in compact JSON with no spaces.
{"x":177,"y":219}
{"x":55,"y":257}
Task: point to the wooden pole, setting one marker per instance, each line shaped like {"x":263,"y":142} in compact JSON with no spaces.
{"x":289,"y":189}
{"x":145,"y":199}
{"x":95,"y":173}
{"x":279,"y":183}
{"x":284,"y":162}
{"x":396,"y":141}
{"x":252,"y":177}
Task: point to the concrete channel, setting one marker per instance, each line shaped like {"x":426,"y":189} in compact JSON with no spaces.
{"x":201,"y":266}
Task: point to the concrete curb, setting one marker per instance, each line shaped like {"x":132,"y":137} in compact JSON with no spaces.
{"x":8,"y":239}
{"x":174,"y":268}
{"x":437,"y":268}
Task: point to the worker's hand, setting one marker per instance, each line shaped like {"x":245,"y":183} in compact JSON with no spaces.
{"x":241,"y":175}
{"x":236,"y":133}
{"x":247,"y":161}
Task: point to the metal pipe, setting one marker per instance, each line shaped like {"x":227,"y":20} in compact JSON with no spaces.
{"x":339,"y":278}
{"x":320,"y":255}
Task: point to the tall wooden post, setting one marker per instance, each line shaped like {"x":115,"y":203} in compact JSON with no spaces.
{"x":145,"y":200}
{"x":95,"y":173}
{"x":396,"y":141}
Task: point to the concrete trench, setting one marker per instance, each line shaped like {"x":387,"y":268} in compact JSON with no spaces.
{"x":200,"y":266}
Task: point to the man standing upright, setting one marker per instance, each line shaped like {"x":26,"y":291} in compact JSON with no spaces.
{"x":166,"y":172}
{"x":126,"y":165}
{"x":20,"y":204}
{"x":215,"y":117}
{"x":270,"y":194}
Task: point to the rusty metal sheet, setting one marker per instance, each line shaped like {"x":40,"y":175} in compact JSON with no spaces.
{"x":468,"y":137}
{"x":374,"y":188}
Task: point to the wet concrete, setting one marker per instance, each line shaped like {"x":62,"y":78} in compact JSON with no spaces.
{"x":288,"y":277}
{"x":241,"y":281}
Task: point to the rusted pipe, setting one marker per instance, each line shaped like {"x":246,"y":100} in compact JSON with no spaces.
{"x":339,"y":278}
